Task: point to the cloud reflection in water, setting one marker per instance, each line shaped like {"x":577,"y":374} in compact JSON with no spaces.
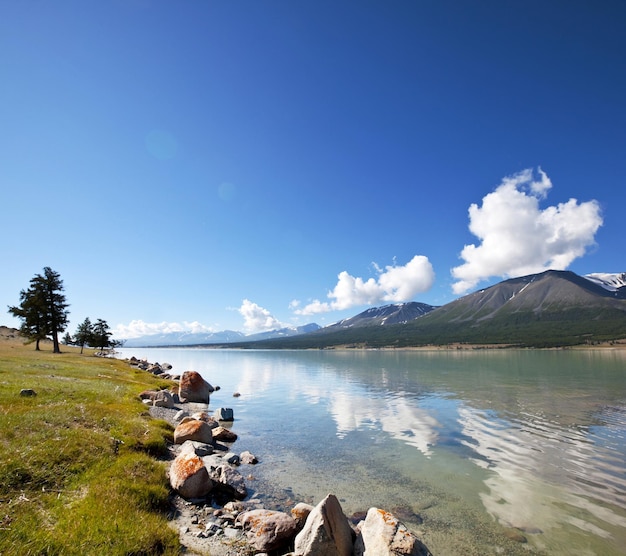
{"x":538,"y":467}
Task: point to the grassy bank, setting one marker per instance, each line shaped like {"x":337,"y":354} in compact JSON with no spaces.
{"x":79,"y":465}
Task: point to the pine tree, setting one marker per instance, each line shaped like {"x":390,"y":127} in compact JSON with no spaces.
{"x":31,"y":311}
{"x":84,"y":334}
{"x":43,"y":309}
{"x":102,"y":335}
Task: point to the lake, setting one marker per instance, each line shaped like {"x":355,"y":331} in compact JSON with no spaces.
{"x":479,"y":450}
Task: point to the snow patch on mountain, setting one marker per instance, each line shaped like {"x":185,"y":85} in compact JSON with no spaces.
{"x":609,"y":281}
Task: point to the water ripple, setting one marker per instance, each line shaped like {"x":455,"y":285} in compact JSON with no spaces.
{"x":538,"y":467}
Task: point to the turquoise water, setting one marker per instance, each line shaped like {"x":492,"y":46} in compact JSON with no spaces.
{"x":476,"y":451}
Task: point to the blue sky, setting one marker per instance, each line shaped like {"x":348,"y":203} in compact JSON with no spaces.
{"x":247,"y":164}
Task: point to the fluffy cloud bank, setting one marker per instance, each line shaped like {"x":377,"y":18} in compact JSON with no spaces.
{"x":139,"y":328}
{"x":518,"y":238}
{"x":394,"y":284}
{"x":256,"y":318}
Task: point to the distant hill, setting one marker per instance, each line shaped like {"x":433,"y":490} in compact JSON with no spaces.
{"x":553,"y":308}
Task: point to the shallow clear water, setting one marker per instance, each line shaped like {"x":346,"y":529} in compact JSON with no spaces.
{"x":468,"y":448}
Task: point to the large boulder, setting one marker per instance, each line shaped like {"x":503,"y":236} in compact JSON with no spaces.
{"x":268,"y":530}
{"x":189,"y":477}
{"x":163,"y":399}
{"x":191,"y":429}
{"x":382,"y":534}
{"x":193,"y":388}
{"x":326,"y":531}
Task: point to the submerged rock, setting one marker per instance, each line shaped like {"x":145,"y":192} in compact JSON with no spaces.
{"x":248,"y":458}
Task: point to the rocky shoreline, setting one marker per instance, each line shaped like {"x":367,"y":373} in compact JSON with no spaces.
{"x":202,"y":527}
{"x":212,"y":507}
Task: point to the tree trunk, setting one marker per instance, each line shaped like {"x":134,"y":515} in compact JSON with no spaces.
{"x":55,"y":340}
{"x":37,"y":344}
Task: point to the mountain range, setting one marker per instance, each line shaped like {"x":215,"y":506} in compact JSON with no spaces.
{"x":399,"y":313}
{"x":207,"y":338}
{"x":552,"y":308}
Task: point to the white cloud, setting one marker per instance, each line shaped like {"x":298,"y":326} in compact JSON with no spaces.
{"x":139,"y":328}
{"x":518,"y":238}
{"x":394,"y":284}
{"x":256,"y":318}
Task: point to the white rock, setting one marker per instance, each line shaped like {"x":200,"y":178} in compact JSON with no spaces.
{"x":326,"y":531}
{"x":382,"y":534}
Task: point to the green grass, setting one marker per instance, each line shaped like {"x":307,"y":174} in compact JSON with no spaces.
{"x":79,"y":462}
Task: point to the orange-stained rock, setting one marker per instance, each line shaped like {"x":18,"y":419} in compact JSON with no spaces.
{"x":193,"y":388}
{"x":192,"y":429}
{"x":189,"y":477}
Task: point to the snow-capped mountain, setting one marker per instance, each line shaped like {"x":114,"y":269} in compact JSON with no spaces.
{"x":549,"y":309}
{"x":545,"y":294}
{"x":388,"y":314}
{"x":612,"y":282}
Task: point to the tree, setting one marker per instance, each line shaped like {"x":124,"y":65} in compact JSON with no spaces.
{"x":43,"y":309}
{"x":67,"y":339}
{"x":31,"y":311}
{"x":101,"y":336}
{"x":84,"y":334}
